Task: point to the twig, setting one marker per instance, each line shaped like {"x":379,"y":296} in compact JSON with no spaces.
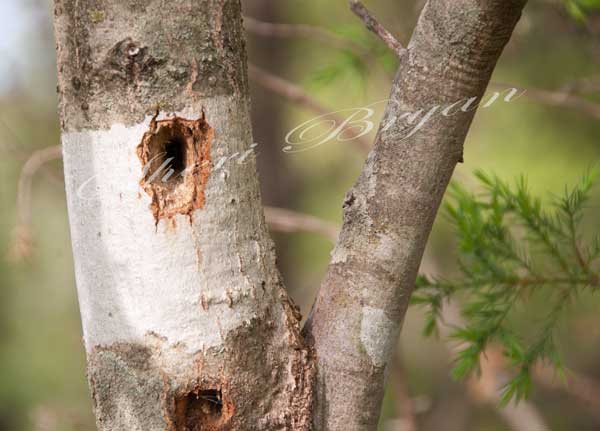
{"x":269,"y":29}
{"x":287,"y":221}
{"x":22,"y":242}
{"x":372,"y":24}
{"x":561,"y":99}
{"x":296,"y":95}
{"x":285,"y":89}
{"x":586,"y":85}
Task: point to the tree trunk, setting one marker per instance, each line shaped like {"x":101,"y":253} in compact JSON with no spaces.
{"x":186,"y":323}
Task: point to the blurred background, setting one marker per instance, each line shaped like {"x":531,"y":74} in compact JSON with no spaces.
{"x":321,"y":60}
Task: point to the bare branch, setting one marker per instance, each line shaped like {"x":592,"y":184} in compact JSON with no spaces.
{"x":585,"y":85}
{"x":287,"y":221}
{"x":320,"y":34}
{"x":22,"y":233}
{"x":296,"y":95}
{"x":373,"y":25}
{"x":560,"y":99}
{"x":285,"y":89}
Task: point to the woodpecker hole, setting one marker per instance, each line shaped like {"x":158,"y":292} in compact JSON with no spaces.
{"x":175,"y":157}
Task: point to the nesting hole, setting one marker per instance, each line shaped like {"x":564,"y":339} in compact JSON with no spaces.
{"x":168,"y":156}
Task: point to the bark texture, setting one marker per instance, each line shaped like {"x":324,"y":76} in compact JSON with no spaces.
{"x":186,"y":323}
{"x":389,"y":212}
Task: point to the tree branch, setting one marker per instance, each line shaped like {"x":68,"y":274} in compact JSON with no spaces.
{"x":296,"y":95}
{"x":389,"y":212}
{"x":320,"y":34}
{"x":559,"y":99}
{"x":287,"y":221}
{"x":578,"y":386}
{"x":585,"y":85}
{"x":564,"y":98}
{"x":373,"y":25}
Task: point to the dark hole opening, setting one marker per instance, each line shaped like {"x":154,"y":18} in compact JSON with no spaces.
{"x":175,"y":153}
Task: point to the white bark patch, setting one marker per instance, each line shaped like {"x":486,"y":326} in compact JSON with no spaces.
{"x":390,"y":252}
{"x":135,"y":277}
{"x":339,"y":254}
{"x":386,"y":248}
{"x":377,"y":335}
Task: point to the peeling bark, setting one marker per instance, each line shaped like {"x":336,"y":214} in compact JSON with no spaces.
{"x":186,"y":323}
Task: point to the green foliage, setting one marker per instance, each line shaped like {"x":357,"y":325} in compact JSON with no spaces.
{"x":510,"y":249}
{"x":579,"y":9}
